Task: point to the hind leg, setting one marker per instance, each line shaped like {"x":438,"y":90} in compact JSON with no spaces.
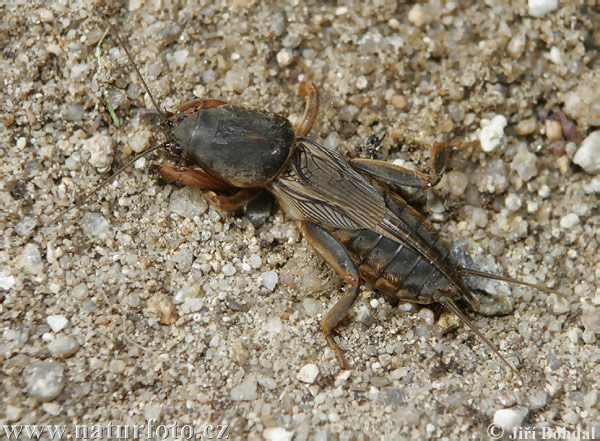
{"x":330,"y":249}
{"x":394,"y":174}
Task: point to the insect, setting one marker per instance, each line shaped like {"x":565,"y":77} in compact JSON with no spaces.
{"x":344,"y":208}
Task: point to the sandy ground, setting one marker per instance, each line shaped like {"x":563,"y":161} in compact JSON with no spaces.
{"x":149,"y":304}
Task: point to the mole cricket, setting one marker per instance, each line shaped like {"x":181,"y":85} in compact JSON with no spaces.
{"x":346,"y":209}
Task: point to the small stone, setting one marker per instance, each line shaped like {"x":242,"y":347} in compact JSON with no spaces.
{"x":74,"y":112}
{"x":515,"y":49}
{"x":46,"y":15}
{"x":513,"y":202}
{"x":492,"y":133}
{"x":13,"y":413}
{"x":228,"y":269}
{"x":237,"y":79}
{"x":6,"y":281}
{"x":187,"y":202}
{"x":399,"y":102}
{"x":560,"y":305}
{"x":277,"y":434}
{"x":255,"y":261}
{"x":80,"y":292}
{"x":117,"y":366}
{"x":571,"y":418}
{"x":361,"y":82}
{"x":269,"y":279}
{"x":590,"y":318}
{"x":266,"y":382}
{"x":308,"y":373}
{"x":457,"y":182}
{"x":153,"y":411}
{"x":140,"y":140}
{"x":94,"y":224}
{"x":417,"y":15}
{"x":590,"y":399}
{"x":539,"y":8}
{"x":63,"y":346}
{"x":509,"y":418}
{"x":553,"y":130}
{"x":588,"y":337}
{"x":245,"y":391}
{"x":588,"y":154}
{"x":555,"y":55}
{"x":526,"y":126}
{"x":45,"y":380}
{"x":180,"y":58}
{"x":52,"y":408}
{"x":525,"y":164}
{"x":583,"y":103}
{"x":31,"y":260}
{"x":57,"y":322}
{"x":273,"y":325}
{"x":506,"y":398}
{"x":538,"y":399}
{"x":100,"y":148}
{"x":25,"y":227}
{"x":312,"y":307}
{"x":284,"y":57}
{"x":569,"y":221}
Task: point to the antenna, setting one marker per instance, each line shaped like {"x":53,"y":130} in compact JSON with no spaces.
{"x":108,"y":180}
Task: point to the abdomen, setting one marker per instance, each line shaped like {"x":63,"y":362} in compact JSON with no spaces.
{"x":394,"y":268}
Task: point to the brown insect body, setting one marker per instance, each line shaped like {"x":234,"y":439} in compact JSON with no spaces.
{"x":343,"y":208}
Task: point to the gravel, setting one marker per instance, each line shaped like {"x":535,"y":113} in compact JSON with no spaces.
{"x":199,"y":317}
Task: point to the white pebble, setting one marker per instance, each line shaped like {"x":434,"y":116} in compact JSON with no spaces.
{"x":273,"y":325}
{"x":245,"y":391}
{"x":555,"y":55}
{"x":45,"y":380}
{"x":525,"y":164}
{"x":569,"y":221}
{"x":583,"y":103}
{"x":277,"y":434}
{"x":100,"y":148}
{"x":590,"y":318}
{"x":538,"y":8}
{"x":6,"y":282}
{"x":492,"y":133}
{"x":237,"y":79}
{"x":117,"y":366}
{"x":255,"y":261}
{"x":228,"y":269}
{"x":46,"y":16}
{"x":308,"y":373}
{"x":187,"y":202}
{"x":588,"y":154}
{"x":63,"y":346}
{"x":269,"y":279}
{"x":513,"y":202}
{"x":457,"y":182}
{"x":180,"y":58}
{"x":94,"y":224}
{"x":57,"y":322}
{"x":538,"y":399}
{"x":31,"y":260}
{"x":417,"y":15}
{"x":516,"y":46}
{"x":509,"y":418}
{"x":559,"y":304}
{"x":284,"y":57}
{"x":361,"y":82}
